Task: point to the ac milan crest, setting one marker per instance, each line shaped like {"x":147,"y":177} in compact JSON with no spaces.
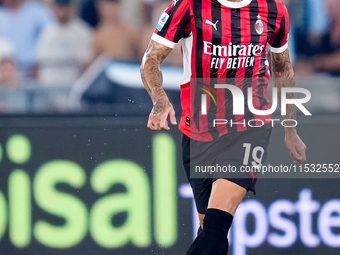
{"x":259,"y":27}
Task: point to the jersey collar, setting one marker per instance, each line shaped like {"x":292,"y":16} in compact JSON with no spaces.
{"x":235,"y":5}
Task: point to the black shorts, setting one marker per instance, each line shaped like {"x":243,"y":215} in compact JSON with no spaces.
{"x":232,"y":157}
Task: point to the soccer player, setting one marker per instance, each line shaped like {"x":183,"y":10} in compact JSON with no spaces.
{"x":223,"y":42}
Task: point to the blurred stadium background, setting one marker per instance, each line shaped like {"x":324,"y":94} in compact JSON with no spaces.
{"x":80,"y":172}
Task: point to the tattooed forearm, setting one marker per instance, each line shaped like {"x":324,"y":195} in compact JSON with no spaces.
{"x":284,"y":77}
{"x":152,"y":75}
{"x":281,"y":63}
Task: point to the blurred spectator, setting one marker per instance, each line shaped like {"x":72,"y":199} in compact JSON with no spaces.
{"x":318,"y":21}
{"x":310,"y":23}
{"x":88,"y":12}
{"x":10,"y":97}
{"x":8,"y":69}
{"x":154,"y":9}
{"x":329,"y":59}
{"x":118,"y":40}
{"x":21,"y":22}
{"x":48,"y":3}
{"x":64,"y":48}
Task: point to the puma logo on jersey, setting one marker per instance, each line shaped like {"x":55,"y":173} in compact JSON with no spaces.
{"x":212,"y":24}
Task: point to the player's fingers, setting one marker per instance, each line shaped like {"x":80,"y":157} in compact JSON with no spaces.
{"x":173,"y":117}
{"x":150,"y":124}
{"x":295,"y":154}
{"x":296,"y":161}
{"x":164,"y":124}
{"x":155,"y":121}
{"x":157,"y":125}
{"x":302,"y":152}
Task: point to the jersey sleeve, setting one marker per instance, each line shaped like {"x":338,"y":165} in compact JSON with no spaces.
{"x":173,"y":23}
{"x":279,"y":39}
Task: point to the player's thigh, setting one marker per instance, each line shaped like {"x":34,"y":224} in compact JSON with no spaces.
{"x":201,"y":187}
{"x":226,"y":196}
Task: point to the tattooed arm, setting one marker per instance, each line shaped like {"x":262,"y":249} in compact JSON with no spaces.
{"x":152,"y":79}
{"x":284,"y":77}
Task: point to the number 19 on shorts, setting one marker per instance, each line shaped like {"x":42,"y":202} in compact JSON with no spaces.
{"x":257,"y":155}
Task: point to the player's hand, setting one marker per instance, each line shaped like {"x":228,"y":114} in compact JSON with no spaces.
{"x":158,"y":118}
{"x":296,"y":146}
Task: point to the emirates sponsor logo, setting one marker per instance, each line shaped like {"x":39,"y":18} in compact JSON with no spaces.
{"x":232,"y":50}
{"x":232,"y":56}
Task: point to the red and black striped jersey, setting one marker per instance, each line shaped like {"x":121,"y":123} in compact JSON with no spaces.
{"x":223,"y":42}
